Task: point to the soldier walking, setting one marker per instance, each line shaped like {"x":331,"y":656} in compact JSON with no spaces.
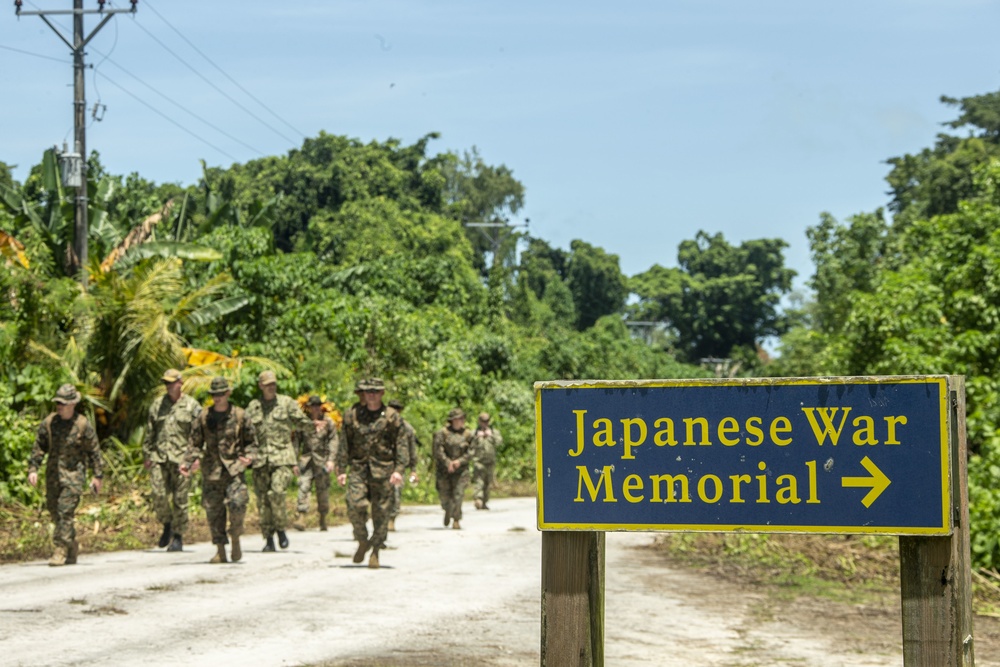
{"x":375,"y":452}
{"x":70,"y":442}
{"x":275,"y":417}
{"x":317,"y":454}
{"x":452,"y":453}
{"x":224,"y":445}
{"x":411,"y":449}
{"x":164,"y":444}
{"x":485,"y":442}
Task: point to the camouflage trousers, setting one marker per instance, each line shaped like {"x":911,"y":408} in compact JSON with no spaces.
{"x":310,"y":474}
{"x":229,"y":494}
{"x":364,"y":492}
{"x":269,"y":485}
{"x":451,"y":489}
{"x":62,"y":501}
{"x":482,"y":478}
{"x":170,"y":495}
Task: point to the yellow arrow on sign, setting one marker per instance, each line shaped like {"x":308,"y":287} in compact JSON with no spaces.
{"x":878,"y":481}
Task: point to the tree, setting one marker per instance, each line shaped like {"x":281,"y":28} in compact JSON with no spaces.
{"x":719,"y":297}
{"x":596,"y":283}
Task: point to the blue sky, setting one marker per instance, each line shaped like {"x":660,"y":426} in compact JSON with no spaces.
{"x":632,"y":124}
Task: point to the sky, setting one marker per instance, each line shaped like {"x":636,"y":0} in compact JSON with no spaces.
{"x":631,"y":124}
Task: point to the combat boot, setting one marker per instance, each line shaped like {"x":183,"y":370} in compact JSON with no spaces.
{"x":220,"y":555}
{"x":392,"y":525}
{"x":74,"y":549}
{"x":359,"y":555}
{"x":237,"y":551}
{"x":282,"y":539}
{"x":176,"y":544}
{"x":322,"y":522}
{"x":269,"y":546}
{"x":479,"y":504}
{"x":447,"y":517}
{"x":456,"y":525}
{"x":373,"y":560}
{"x":58,"y":556}
{"x":300,"y":522}
{"x":165,"y":536}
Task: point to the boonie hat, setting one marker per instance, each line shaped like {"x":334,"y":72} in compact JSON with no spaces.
{"x":171,"y":375}
{"x":267,"y":377}
{"x":67,"y":394}
{"x":484,"y":417}
{"x":314,"y":400}
{"x":374,"y":384}
{"x":359,"y":386}
{"x":220,"y":385}
{"x":456,"y":413}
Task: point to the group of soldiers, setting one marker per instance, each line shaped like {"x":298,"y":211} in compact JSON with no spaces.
{"x":277,"y":441}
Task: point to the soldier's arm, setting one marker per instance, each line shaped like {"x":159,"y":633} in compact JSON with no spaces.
{"x":196,"y":444}
{"x":93,"y":449}
{"x":333,"y":443}
{"x":40,"y":449}
{"x":438,"y":446}
{"x":149,"y":436}
{"x":467,"y":453}
{"x":402,"y":450}
{"x":251,"y":445}
{"x":342,"y":447}
{"x":300,"y":420}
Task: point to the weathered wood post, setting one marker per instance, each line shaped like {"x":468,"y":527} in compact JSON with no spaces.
{"x":572,"y":599}
{"x":935,"y":572}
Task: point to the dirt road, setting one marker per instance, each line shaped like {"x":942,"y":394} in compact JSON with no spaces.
{"x":444,"y":597}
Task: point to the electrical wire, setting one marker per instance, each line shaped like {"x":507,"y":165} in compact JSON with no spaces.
{"x":170,"y":100}
{"x":165,"y":116}
{"x":206,"y":80}
{"x":37,"y":55}
{"x":151,"y":8}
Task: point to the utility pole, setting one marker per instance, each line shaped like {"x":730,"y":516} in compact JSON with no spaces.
{"x":502,"y":229}
{"x":76,"y":175}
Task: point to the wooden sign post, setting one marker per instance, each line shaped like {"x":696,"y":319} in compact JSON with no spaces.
{"x":856,"y":455}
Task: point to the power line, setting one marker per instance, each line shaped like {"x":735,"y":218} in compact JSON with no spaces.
{"x":165,"y":116}
{"x":179,"y":106}
{"x":206,"y":80}
{"x":37,"y":55}
{"x":223,"y":72}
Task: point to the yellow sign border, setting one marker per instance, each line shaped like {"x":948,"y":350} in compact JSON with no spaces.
{"x":941,"y":381}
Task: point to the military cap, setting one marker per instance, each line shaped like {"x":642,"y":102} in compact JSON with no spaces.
{"x":220,"y":385}
{"x":484,"y":417}
{"x":267,"y":377}
{"x":314,"y":400}
{"x":456,"y":413}
{"x":171,"y":375}
{"x":359,"y":386}
{"x":373,"y":384}
{"x":394,"y":403}
{"x":67,"y":394}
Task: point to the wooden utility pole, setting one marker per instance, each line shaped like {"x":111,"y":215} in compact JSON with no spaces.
{"x":78,"y":158}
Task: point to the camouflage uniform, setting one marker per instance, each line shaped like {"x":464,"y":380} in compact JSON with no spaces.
{"x":450,"y":444}
{"x":484,"y":462}
{"x":219,"y":439}
{"x":70,"y":445}
{"x":410,"y":436}
{"x":317,"y":448}
{"x":274,"y":421}
{"x":168,"y":429}
{"x":373,"y":448}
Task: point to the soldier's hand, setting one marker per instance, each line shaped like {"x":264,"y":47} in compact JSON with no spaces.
{"x":295,"y":470}
{"x":341,"y":479}
{"x":396,"y":479}
{"x":33,"y":478}
{"x":147,"y":464}
{"x":95,"y":485}
{"x":414,"y":477}
{"x":184,"y":470}
{"x":329,"y":466}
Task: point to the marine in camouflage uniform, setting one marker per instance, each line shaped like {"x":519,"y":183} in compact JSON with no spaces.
{"x":452,"y":453}
{"x":70,"y":442}
{"x":224,"y":445}
{"x":164,"y":444}
{"x":486,"y":440}
{"x":375,"y":452}
{"x":411,"y":449}
{"x":275,"y":417}
{"x":317,"y":453}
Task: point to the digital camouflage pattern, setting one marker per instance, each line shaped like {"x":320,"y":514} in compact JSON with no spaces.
{"x":451,"y":445}
{"x":410,"y":435}
{"x":275,"y":421}
{"x":372,"y":448}
{"x":218,"y":440}
{"x":70,"y":445}
{"x":317,"y":448}
{"x":485,"y":444}
{"x":168,"y":428}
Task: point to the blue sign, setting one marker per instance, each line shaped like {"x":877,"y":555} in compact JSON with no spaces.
{"x":831,"y":455}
